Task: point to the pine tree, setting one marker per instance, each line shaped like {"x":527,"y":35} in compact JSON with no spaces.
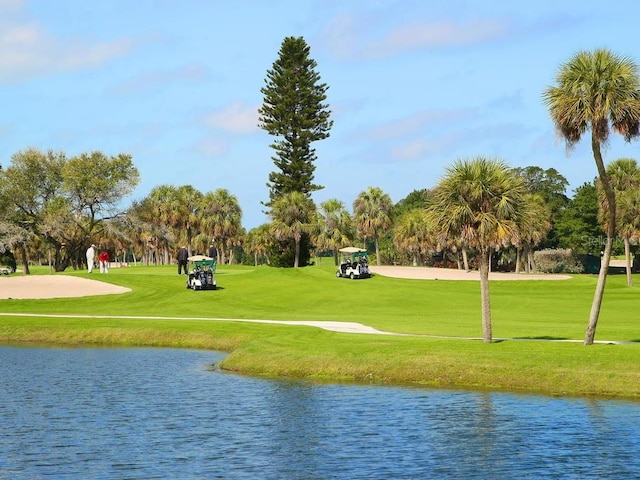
{"x":293,"y":110}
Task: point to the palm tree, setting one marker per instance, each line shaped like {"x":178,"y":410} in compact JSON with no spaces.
{"x":222,"y":219}
{"x":186,"y":206}
{"x":624,"y":175}
{"x":535,"y":224}
{"x":412,"y":233}
{"x":334,"y":227}
{"x":372,"y":211}
{"x":596,"y":91}
{"x":479,"y":201}
{"x":258,"y":241}
{"x":292,"y":215}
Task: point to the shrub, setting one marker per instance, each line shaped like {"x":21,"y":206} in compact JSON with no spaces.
{"x":561,"y":260}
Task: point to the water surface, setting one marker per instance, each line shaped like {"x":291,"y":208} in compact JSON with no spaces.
{"x":164,"y":413}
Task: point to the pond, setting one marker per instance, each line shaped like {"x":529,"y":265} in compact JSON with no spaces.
{"x":141,"y":413}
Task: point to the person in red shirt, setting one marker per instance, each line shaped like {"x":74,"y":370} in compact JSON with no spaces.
{"x":103,"y":258}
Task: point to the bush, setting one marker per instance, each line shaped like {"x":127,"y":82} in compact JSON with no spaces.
{"x":557,"y":261}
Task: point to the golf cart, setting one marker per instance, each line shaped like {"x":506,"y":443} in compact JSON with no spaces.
{"x":202,"y":275}
{"x":354,"y":263}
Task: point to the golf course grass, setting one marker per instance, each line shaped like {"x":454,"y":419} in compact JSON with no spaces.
{"x":440,"y":321}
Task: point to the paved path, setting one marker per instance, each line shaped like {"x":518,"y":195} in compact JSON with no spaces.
{"x":342,"y":327}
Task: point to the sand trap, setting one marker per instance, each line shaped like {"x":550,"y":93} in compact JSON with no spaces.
{"x":54,"y":286}
{"x":429,"y":273}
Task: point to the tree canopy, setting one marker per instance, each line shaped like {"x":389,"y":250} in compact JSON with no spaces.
{"x":294,"y":110}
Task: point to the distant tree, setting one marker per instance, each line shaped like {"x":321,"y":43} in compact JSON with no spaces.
{"x":186,"y":206}
{"x":372,"y":212}
{"x":534,"y":225}
{"x":597,"y":91}
{"x":64,"y":202}
{"x":334,"y":227}
{"x":414,"y":235}
{"x":479,"y":201}
{"x":292,"y":215}
{"x":258,"y":242}
{"x":625,"y":181}
{"x":416,"y":199}
{"x":221,"y":220}
{"x":577,"y":224}
{"x":551,"y":186}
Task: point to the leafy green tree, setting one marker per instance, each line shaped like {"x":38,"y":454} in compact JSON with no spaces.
{"x":577,"y":224}
{"x":292,"y":215}
{"x":64,"y":202}
{"x":479,"y":201}
{"x":416,"y":199}
{"x":372,"y":212}
{"x":551,"y":186}
{"x":597,"y":91}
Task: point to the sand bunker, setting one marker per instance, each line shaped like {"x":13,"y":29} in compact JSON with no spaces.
{"x":54,"y":286}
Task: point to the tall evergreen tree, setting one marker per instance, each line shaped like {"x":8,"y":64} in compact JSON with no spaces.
{"x":293,"y":110}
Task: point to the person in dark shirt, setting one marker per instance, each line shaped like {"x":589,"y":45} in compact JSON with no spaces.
{"x":213,"y":252}
{"x":182,"y":257}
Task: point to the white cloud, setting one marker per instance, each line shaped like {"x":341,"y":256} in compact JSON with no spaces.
{"x":237,"y":117}
{"x":27,"y":50}
{"x":351,"y":38}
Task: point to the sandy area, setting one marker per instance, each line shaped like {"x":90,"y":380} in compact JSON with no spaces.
{"x":53,"y":286}
{"x":428,"y":273}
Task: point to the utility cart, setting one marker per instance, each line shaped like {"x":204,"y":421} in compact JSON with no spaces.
{"x":202,"y":274}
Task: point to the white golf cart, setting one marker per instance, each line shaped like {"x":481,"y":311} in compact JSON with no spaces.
{"x":354,"y":263}
{"x":202,"y":275}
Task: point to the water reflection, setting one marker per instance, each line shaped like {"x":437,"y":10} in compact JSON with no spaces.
{"x":155,"y":413}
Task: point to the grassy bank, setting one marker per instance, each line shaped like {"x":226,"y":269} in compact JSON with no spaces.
{"x":523,"y":313}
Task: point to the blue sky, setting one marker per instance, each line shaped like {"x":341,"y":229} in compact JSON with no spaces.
{"x":413,"y":86}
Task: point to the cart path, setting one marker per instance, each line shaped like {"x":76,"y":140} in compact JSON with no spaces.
{"x":333,"y":326}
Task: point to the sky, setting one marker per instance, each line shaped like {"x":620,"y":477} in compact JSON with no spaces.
{"x":414,"y":85}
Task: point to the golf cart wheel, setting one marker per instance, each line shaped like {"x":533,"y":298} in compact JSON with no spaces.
{"x":338,"y":274}
{"x":352,"y":276}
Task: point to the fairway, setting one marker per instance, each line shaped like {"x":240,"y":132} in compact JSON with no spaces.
{"x":436,"y":318}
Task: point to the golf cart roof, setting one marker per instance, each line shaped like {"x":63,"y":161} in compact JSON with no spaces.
{"x":353,"y":250}
{"x":198,"y":258}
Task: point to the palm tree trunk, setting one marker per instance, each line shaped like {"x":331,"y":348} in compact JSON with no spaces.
{"x":483,"y":267}
{"x":296,"y":260}
{"x":627,"y":257}
{"x":465,"y":258}
{"x":611,"y":230}
{"x":518,"y":259}
{"x":377,"y":252}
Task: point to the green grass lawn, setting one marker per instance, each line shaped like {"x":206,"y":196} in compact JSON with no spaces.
{"x":522,"y":311}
